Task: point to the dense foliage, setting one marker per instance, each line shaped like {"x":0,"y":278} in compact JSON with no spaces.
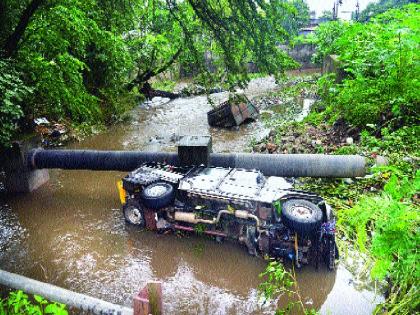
{"x":70,"y":56}
{"x":381,"y":62}
{"x":13,"y":92}
{"x":20,"y":303}
{"x":378,"y":7}
{"x":378,"y":214}
{"x":83,"y":58}
{"x":297,"y":17}
{"x":387,"y":225}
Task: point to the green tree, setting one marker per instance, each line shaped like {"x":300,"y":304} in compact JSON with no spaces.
{"x":375,"y":8}
{"x":326,"y":16}
{"x":231,"y":32}
{"x":381,"y":61}
{"x":79,"y":57}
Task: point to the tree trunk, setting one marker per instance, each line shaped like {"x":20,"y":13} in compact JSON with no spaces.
{"x":145,"y":76}
{"x":11,"y":44}
{"x":150,"y":93}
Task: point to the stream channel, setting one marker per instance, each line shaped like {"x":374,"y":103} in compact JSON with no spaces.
{"x":71,"y":231}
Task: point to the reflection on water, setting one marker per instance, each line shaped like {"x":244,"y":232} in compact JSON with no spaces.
{"x":71,"y":233}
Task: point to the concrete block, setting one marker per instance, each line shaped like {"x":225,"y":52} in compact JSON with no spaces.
{"x":194,"y":150}
{"x":19,"y":177}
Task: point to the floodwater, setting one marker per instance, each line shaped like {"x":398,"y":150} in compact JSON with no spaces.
{"x":71,"y":232}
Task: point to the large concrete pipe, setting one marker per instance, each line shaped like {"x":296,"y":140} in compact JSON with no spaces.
{"x":57,"y":294}
{"x":96,"y":160}
{"x":295,"y":165}
{"x":287,"y":165}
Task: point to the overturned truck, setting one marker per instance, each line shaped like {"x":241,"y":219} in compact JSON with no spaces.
{"x":265,"y":214}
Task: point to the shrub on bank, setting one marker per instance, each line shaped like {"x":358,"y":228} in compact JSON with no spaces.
{"x":18,"y":302}
{"x":382,"y":66}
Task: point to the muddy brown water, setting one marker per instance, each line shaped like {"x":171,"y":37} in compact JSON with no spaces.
{"x":71,"y":232}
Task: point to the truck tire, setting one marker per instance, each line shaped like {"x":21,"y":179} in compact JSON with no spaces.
{"x":158,"y":195}
{"x":302,"y":216}
{"x":134,"y":213}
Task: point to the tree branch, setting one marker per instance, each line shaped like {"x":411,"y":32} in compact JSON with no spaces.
{"x":145,"y":76}
{"x":11,"y":44}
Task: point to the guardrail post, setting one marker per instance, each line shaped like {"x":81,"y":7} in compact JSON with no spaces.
{"x":149,"y":300}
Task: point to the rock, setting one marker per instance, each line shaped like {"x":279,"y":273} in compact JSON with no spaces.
{"x":259,"y":147}
{"x":381,"y":161}
{"x":288,"y":139}
{"x":271,"y":147}
{"x":318,"y":142}
{"x":262,"y":136}
{"x":349,"y":140}
{"x":348,"y":181}
{"x":288,"y":148}
{"x":174,"y":138}
{"x":408,"y":159}
{"x":339,"y":123}
{"x":55,"y":134}
{"x":354,"y":132}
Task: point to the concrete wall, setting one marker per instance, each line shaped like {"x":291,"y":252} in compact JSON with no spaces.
{"x":302,"y":53}
{"x":331,"y":64}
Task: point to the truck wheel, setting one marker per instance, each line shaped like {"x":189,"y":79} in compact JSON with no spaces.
{"x":133,"y":213}
{"x":301,"y":216}
{"x":158,"y":195}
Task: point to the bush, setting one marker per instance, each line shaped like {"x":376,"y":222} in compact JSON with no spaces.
{"x":19,"y":303}
{"x":381,"y":60}
{"x":70,"y":59}
{"x":325,"y":39}
{"x":12,"y":93}
{"x":387,"y":225}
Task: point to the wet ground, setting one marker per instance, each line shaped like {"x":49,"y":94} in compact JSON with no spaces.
{"x":71,"y":232}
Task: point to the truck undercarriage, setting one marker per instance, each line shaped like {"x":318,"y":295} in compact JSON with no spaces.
{"x":264,"y":213}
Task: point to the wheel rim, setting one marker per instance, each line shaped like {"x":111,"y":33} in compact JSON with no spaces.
{"x":156,"y":191}
{"x":301,"y":212}
{"x":134,"y":215}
